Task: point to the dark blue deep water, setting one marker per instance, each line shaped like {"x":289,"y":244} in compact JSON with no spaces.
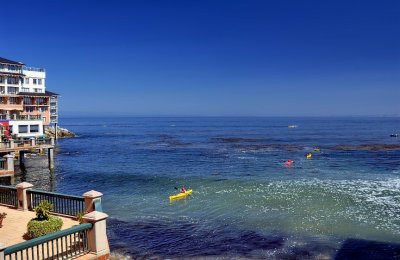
{"x":245,"y":203}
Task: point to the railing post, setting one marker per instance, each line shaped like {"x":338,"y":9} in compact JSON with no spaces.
{"x":24,"y":201}
{"x":33,"y":141}
{"x":10,"y":162}
{"x":97,"y":235}
{"x":2,"y":247}
{"x":92,"y":199}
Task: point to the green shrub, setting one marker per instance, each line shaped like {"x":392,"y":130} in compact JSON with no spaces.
{"x":37,"y":228}
{"x":43,"y":210}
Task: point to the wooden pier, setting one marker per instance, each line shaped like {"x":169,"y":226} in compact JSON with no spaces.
{"x":13,"y":149}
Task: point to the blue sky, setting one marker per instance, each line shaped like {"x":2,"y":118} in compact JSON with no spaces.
{"x":211,"y":58}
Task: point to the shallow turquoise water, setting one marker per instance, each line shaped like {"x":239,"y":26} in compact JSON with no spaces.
{"x":245,"y":202}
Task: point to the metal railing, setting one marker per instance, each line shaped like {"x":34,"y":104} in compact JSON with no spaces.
{"x":33,"y":69}
{"x":62,"y":204}
{"x":8,"y":196}
{"x":20,"y":117}
{"x":65,"y":244}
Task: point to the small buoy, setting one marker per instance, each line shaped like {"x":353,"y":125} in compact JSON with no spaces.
{"x":308,"y":155}
{"x":317,"y":149}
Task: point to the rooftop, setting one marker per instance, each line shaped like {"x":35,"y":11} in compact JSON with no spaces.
{"x":3,"y":60}
{"x":46,"y":94}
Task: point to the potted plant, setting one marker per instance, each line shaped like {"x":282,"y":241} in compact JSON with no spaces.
{"x":2,"y":217}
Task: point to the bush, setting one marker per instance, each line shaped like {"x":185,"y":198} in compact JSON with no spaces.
{"x":37,"y":227}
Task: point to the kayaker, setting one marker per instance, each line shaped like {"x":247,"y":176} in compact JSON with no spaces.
{"x":288,"y":163}
{"x":183,"y":189}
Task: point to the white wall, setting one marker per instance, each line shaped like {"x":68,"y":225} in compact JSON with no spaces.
{"x":16,"y":123}
{"x":34,"y":75}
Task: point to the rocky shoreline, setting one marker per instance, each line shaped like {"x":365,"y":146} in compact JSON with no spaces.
{"x":61,"y":132}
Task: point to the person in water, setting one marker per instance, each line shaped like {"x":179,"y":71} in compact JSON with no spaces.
{"x":289,"y":163}
{"x":183,"y":189}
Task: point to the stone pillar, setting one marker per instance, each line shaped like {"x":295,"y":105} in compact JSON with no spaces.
{"x":23,"y":199}
{"x":92,"y":200}
{"x":9,"y":162}
{"x":2,"y":247}
{"x":50,"y":155}
{"x":97,"y":235}
{"x":12,"y":144}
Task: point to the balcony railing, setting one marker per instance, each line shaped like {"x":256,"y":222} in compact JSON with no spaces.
{"x":34,"y":69}
{"x":65,"y":244}
{"x":20,"y":117}
{"x":8,"y":196}
{"x":62,"y":204}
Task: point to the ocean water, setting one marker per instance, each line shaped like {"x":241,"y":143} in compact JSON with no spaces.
{"x":246,"y":204}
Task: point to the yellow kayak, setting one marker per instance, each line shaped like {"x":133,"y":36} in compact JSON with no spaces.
{"x":180,"y":195}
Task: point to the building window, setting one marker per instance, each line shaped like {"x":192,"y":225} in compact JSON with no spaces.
{"x":3,"y":100}
{"x":34,"y":81}
{"x":23,"y":129}
{"x":29,"y":109}
{"x":12,"y":80}
{"x":40,"y":81}
{"x":42,"y":109}
{"x":27,"y":101}
{"x":2,"y":80}
{"x":12,"y":67}
{"x":26,"y":80}
{"x":37,"y":90}
{"x":25,"y":90}
{"x":12,"y":90}
{"x":34,"y":128}
{"x":14,"y":101}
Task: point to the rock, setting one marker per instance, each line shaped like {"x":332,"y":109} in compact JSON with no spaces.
{"x":61,"y":132}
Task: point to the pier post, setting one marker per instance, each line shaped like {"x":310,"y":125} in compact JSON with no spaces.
{"x":50,"y":155}
{"x":9,"y":162}
{"x":12,"y":144}
{"x":92,"y":201}
{"x":52,"y":142}
{"x":97,"y":235}
{"x":55,"y":131}
{"x":23,"y":200}
{"x":21,"y":158}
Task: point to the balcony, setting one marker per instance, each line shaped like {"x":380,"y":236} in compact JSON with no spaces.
{"x":33,"y":69}
{"x":20,"y":117}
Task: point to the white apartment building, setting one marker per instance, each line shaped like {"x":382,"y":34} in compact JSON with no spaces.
{"x":23,"y":97}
